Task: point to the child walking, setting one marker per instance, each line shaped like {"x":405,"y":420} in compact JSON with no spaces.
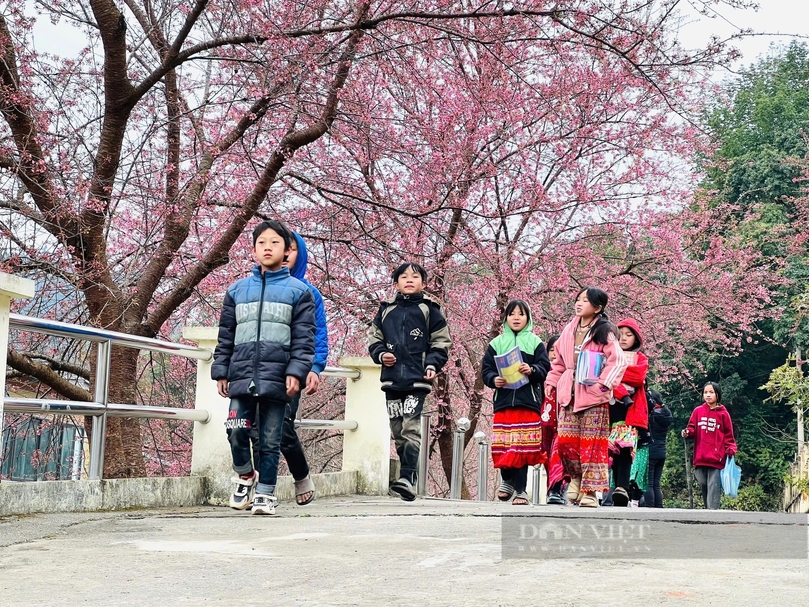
{"x":516,"y":428}
{"x":548,"y":419}
{"x":291,"y":447}
{"x":628,"y":413}
{"x":409,"y":337}
{"x":583,"y":419}
{"x":660,"y":420}
{"x":264,"y":353}
{"x":710,"y":427}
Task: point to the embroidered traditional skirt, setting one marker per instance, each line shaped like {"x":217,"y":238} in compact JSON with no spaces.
{"x":517,"y":438}
{"x":554,"y":467}
{"x":583,"y":445}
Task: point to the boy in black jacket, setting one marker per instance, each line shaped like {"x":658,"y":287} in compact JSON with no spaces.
{"x":410,"y":339}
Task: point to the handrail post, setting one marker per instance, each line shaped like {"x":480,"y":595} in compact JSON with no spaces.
{"x":210,"y":450}
{"x":101,"y":396}
{"x":367,"y":450}
{"x":538,"y":483}
{"x":462,"y":425}
{"x":424,"y":456}
{"x":483,"y":457}
{"x":11,"y":287}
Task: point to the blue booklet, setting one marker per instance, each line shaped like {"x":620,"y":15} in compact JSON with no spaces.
{"x":589,"y":366}
{"x":508,"y":365}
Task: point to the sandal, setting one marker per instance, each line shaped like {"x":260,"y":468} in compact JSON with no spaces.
{"x":521,"y":499}
{"x":303,"y":487}
{"x":505,"y":492}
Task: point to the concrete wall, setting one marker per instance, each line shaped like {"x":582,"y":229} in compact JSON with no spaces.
{"x":156,"y":492}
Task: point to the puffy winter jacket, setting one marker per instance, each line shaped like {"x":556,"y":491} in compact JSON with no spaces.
{"x":266,"y":332}
{"x":634,"y":375}
{"x":298,"y":271}
{"x":563,"y":370}
{"x":412,"y":328}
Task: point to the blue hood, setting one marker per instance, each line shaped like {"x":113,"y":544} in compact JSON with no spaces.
{"x":299,"y":270}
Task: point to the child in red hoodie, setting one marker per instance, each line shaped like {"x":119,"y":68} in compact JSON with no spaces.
{"x":628,"y":415}
{"x":710,"y":427}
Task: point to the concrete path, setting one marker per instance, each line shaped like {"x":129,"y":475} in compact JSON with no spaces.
{"x":382,"y":551}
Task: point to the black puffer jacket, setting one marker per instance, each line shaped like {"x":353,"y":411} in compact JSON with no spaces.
{"x":412,"y":328}
{"x":266,"y":332}
{"x":660,"y":421}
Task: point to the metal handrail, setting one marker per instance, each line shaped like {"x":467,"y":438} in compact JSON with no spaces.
{"x":63,"y":329}
{"x":354,"y":374}
{"x":99,"y":409}
{"x":326,"y":424}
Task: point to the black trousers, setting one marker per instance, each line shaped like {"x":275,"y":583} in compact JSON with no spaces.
{"x":516,"y":477}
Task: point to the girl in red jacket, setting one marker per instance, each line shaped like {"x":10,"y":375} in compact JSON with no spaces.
{"x":628,"y":412}
{"x":710,"y":427}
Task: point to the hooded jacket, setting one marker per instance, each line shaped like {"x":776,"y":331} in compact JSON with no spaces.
{"x":563,"y":370}
{"x":635,"y":376}
{"x":298,"y":271}
{"x":412,"y":328}
{"x":713,"y":434}
{"x":533,"y":352}
{"x":266,"y":332}
{"x":660,"y":421}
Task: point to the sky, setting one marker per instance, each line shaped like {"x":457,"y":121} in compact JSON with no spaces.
{"x":780,"y":20}
{"x":776,"y":18}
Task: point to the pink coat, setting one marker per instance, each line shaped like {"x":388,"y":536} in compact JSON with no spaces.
{"x":563,"y":370}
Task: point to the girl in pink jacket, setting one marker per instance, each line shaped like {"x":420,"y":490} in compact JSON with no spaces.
{"x":583,"y":422}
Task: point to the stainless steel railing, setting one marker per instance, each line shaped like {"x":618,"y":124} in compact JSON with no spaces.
{"x":100,"y":408}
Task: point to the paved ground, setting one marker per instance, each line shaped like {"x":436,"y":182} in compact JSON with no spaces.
{"x":381,"y":551}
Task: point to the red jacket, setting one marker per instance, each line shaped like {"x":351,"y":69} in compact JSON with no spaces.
{"x":713,"y":434}
{"x":635,"y":376}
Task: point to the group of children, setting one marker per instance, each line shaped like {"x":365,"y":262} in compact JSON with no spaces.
{"x":273,"y":344}
{"x":605,"y":434}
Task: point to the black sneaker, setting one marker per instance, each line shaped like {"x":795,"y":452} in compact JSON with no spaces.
{"x":555,"y":498}
{"x":404,"y":489}
{"x":620,"y":497}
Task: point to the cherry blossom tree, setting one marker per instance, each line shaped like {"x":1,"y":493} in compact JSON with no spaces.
{"x":515,"y":149}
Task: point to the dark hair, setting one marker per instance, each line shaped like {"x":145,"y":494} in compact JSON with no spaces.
{"x":654,"y":398}
{"x":551,"y":341}
{"x":716,"y":387}
{"x":601,"y":326}
{"x":517,"y":303}
{"x":408,"y":265}
{"x":278,"y":227}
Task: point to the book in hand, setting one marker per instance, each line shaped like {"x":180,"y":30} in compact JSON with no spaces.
{"x":631,"y":358}
{"x":508,"y":365}
{"x":589,"y":366}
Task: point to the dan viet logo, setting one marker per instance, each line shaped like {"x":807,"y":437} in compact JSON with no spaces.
{"x":525,"y":538}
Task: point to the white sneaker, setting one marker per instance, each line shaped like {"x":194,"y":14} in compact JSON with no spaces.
{"x":264,"y":504}
{"x":242,"y":496}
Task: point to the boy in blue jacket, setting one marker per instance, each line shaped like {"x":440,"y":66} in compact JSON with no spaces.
{"x":410,"y":339}
{"x":265,"y":351}
{"x":291,"y":447}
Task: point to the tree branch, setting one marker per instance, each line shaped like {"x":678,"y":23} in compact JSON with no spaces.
{"x":47,"y":375}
